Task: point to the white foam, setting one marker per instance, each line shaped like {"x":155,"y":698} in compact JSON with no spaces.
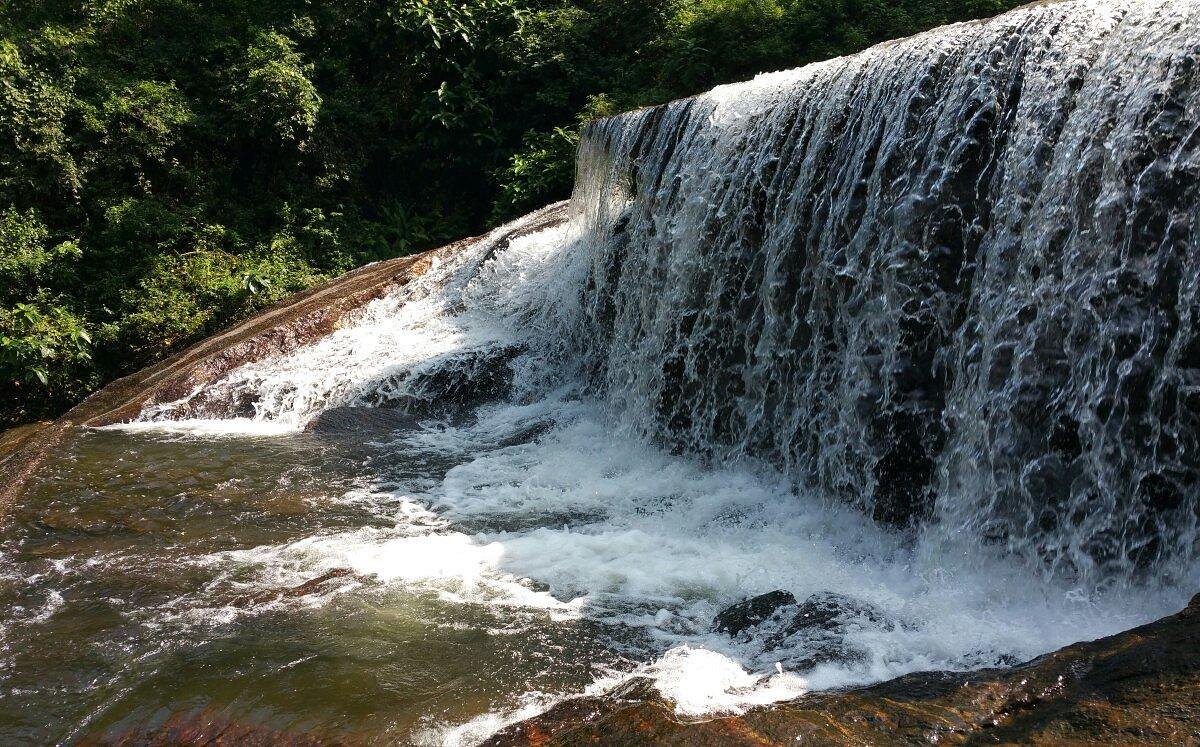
{"x":702,"y":682}
{"x":418,"y":553}
{"x":661,"y":542}
{"x":624,"y":534}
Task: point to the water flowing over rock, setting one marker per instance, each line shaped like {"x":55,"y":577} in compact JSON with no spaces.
{"x":1134,"y":688}
{"x":953,"y":277}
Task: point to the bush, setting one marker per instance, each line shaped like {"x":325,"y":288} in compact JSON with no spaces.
{"x":44,"y":359}
{"x":273,"y":93}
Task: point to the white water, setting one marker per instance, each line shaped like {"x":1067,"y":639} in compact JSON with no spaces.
{"x":762,"y":297}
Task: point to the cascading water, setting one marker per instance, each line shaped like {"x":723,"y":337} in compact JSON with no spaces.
{"x":955,"y":276}
{"x":918,"y":326}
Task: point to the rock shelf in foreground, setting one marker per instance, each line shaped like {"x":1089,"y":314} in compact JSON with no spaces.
{"x":1136,"y":687}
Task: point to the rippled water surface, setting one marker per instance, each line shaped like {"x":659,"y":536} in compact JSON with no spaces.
{"x":129,"y":606}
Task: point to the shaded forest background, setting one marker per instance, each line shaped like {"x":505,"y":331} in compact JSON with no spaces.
{"x":170,"y":166}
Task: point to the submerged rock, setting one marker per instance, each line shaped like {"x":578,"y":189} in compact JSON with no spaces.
{"x":210,"y":726}
{"x":751,"y":612}
{"x":318,"y":585}
{"x":1139,"y":686}
{"x":357,"y":421}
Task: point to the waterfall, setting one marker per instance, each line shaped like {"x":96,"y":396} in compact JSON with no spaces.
{"x":953,"y":281}
{"x":952,"y":278}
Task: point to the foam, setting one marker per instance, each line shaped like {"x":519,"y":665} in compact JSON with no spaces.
{"x":702,"y":682}
{"x":206,"y":428}
{"x":418,"y":553}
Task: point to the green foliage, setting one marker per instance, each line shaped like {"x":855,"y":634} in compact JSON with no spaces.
{"x":139,"y":126}
{"x":543,"y":168}
{"x":169,"y":166}
{"x":26,"y":260}
{"x":183,"y":297}
{"x":44,"y":355}
{"x":273,"y":93}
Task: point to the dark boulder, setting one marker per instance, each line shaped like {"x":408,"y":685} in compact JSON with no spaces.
{"x":467,"y":380}
{"x":749,"y":613}
{"x":451,"y":385}
{"x":828,"y":611}
{"x":804,"y":635}
{"x":815,"y":633}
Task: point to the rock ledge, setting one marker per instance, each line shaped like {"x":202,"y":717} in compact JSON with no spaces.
{"x":1141,"y":686}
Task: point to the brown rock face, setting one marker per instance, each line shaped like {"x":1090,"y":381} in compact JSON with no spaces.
{"x":1137,"y":687}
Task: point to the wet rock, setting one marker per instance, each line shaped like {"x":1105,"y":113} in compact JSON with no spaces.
{"x":12,"y":439}
{"x":751,"y":612}
{"x":816,"y":632}
{"x":526,"y":435}
{"x":1136,"y":687}
{"x":458,"y":383}
{"x":827,"y":610}
{"x":314,"y":585}
{"x":319,"y":585}
{"x":805,"y":634}
{"x":634,"y":689}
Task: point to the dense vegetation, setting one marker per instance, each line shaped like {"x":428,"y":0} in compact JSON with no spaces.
{"x":167,"y":166}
